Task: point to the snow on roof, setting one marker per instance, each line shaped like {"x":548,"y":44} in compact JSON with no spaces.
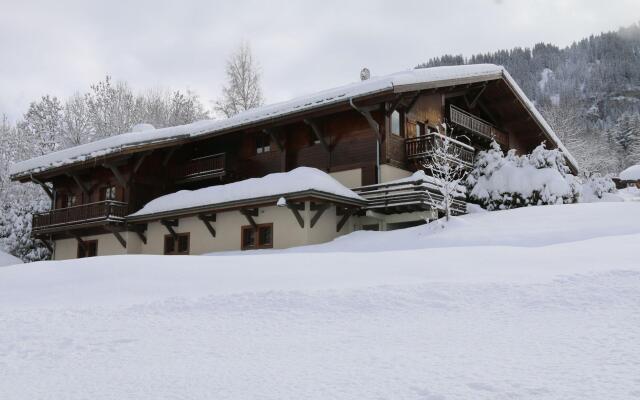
{"x":278,"y":184}
{"x":631,"y":174}
{"x":374,"y":85}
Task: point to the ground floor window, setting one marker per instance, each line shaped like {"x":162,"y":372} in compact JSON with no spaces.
{"x":259,"y":237}
{"x":88,"y":248}
{"x":176,"y":245}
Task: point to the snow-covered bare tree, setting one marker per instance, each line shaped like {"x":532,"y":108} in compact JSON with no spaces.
{"x":242,"y":90}
{"x":76,"y":122}
{"x":43,"y":124}
{"x":112,"y":108}
{"x":445,"y":167}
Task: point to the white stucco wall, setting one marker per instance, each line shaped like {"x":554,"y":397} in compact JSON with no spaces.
{"x":391,"y":173}
{"x":228,"y":225}
{"x":66,"y":249}
{"x":350,"y":178}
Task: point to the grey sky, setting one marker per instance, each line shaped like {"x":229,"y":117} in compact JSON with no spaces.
{"x":59,"y":47}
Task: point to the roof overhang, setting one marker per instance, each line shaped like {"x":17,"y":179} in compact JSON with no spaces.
{"x":245,"y":203}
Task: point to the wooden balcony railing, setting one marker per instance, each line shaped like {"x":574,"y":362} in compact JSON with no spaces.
{"x":108,"y":210}
{"x":202,"y":167}
{"x":477,"y":125}
{"x":426,"y":146}
{"x":408,"y":196}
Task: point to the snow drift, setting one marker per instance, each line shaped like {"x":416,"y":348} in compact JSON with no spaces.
{"x":509,"y":304}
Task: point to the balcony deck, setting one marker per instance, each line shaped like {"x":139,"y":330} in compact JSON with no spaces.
{"x":212,"y":166}
{"x":426,"y":146}
{"x":411,"y":196}
{"x":474,"y":124}
{"x":78,"y":216}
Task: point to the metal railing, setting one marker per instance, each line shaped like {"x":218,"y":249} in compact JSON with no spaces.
{"x":477,"y":125}
{"x":426,"y":146}
{"x":101,"y":210}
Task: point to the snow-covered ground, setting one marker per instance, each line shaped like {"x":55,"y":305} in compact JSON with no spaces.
{"x":540,"y":302}
{"x":8,"y":259}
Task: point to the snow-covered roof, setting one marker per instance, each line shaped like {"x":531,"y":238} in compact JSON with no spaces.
{"x":276,"y":185}
{"x":631,"y":174}
{"x":408,"y":80}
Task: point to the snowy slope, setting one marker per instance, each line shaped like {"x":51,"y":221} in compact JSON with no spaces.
{"x":8,"y":259}
{"x":536,"y":312}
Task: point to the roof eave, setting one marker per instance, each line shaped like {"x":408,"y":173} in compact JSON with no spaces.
{"x":238,"y":204}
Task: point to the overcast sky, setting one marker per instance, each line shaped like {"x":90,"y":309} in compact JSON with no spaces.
{"x":59,"y":47}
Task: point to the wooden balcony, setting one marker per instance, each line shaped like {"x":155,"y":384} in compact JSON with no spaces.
{"x":409,"y":196}
{"x":81,"y":215}
{"x":473,"y":124}
{"x":424,"y":147}
{"x":215,"y":165}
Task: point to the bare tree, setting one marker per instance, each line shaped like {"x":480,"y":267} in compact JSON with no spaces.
{"x":43,"y":123}
{"x":242,"y":91}
{"x":76,"y":123}
{"x":445,"y":166}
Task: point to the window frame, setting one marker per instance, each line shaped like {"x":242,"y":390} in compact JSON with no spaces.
{"x":81,"y":251}
{"x":263,"y":143}
{"x":256,"y":234}
{"x":176,"y":244}
{"x":109,"y":193}
{"x":401,"y":124}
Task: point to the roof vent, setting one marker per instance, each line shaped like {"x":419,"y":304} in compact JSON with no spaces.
{"x":365,"y":74}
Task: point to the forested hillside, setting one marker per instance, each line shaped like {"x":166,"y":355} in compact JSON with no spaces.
{"x":589,"y":92}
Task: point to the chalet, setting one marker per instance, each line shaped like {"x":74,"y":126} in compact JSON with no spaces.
{"x":630,"y":177}
{"x":298,"y":172}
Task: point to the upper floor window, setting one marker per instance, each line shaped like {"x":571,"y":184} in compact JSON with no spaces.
{"x":263,"y":143}
{"x":395,"y":123}
{"x":178,"y":245}
{"x":108,"y":193}
{"x":67,"y":200}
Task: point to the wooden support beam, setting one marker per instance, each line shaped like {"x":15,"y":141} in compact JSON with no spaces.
{"x":80,"y":241}
{"x":366,"y":113}
{"x":118,"y":236}
{"x":343,"y":221}
{"x":319,"y":209}
{"x":80,"y":184}
{"x":141,"y":236}
{"x":295,"y":209}
{"x":318,"y":134}
{"x":170,"y":224}
{"x":168,"y":155}
{"x":139,"y":161}
{"x":274,"y":137}
{"x":249,"y":213}
{"x":413,"y":100}
{"x":44,"y":187}
{"x":116,"y":172}
{"x":207,"y":219}
{"x":391,"y":107}
{"x":47,"y":245}
{"x":473,"y":102}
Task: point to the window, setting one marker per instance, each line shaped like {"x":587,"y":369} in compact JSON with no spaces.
{"x":88,"y":248}
{"x":71,"y":200}
{"x":395,"y":123}
{"x":108,"y":193}
{"x":419,"y":129}
{"x":178,"y":245}
{"x":66,"y":200}
{"x":263,"y":143}
{"x":260,"y":237}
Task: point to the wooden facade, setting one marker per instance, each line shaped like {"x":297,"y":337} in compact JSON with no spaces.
{"x":95,"y":196}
